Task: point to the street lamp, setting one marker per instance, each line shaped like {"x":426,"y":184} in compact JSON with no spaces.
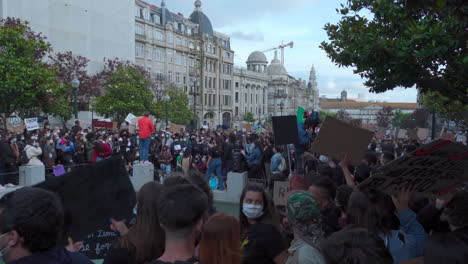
{"x":195,"y":85}
{"x":281,"y":107}
{"x":75,"y":84}
{"x":167,"y":98}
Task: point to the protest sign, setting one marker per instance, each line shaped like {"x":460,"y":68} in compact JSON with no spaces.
{"x":90,"y":196}
{"x":402,"y":133}
{"x":31,"y":124}
{"x":133,"y":125}
{"x":422,"y":133}
{"x":248,"y":127}
{"x":129,"y":118}
{"x":174,"y":128}
{"x":433,"y":169}
{"x":15,"y":124}
{"x":102,"y":124}
{"x":285,"y":130}
{"x":280,"y":190}
{"x":337,"y":137}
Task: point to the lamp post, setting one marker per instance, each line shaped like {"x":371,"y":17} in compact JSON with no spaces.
{"x":195,"y":85}
{"x":75,"y":84}
{"x":167,"y":98}
{"x":281,"y":107}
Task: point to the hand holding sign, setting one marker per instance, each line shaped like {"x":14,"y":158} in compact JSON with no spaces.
{"x":118,"y":226}
{"x":401,"y":197}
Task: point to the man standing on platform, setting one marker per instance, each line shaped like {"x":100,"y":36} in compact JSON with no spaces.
{"x":146,"y":127}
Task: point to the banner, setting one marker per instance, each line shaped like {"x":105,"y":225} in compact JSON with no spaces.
{"x":433,"y":169}
{"x":103,"y":124}
{"x":337,"y":137}
{"x":31,"y":124}
{"x":300,"y":115}
{"x":90,"y":196}
{"x":129,"y":118}
{"x":280,"y":189}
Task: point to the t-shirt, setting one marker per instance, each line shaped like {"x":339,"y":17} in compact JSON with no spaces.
{"x":215,"y":153}
{"x":262,"y":243}
{"x":302,"y":253}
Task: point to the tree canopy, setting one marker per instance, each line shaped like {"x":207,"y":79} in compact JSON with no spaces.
{"x":404,"y":43}
{"x":249,"y":117}
{"x":178,"y":106}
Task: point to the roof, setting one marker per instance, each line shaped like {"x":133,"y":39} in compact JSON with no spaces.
{"x":257,"y":57}
{"x":345,"y":105}
{"x":276,"y":68}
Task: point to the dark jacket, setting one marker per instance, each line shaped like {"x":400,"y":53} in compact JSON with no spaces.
{"x":304,"y":139}
{"x":54,"y":256}
{"x":6,"y":153}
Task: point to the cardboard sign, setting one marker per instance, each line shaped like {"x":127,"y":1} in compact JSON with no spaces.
{"x":103,"y":124}
{"x":90,"y":196}
{"x":337,"y":137}
{"x":433,"y":169}
{"x":174,"y":128}
{"x":402,"y":133}
{"x":248,"y":127}
{"x":31,"y":124}
{"x":422,"y":133}
{"x":129,"y":118}
{"x":15,"y":124}
{"x":280,"y":189}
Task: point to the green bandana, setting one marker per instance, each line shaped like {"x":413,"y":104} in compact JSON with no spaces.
{"x":302,"y":206}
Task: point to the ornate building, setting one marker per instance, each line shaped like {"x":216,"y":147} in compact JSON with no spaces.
{"x":188,"y":53}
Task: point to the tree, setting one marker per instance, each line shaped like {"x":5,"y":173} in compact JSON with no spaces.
{"x":126,"y":91}
{"x":452,"y":110}
{"x":399,"y":118}
{"x":385,"y":116}
{"x":249,"y":117}
{"x":403,"y":44}
{"x":343,"y":115}
{"x":70,"y":67}
{"x":324,"y":115}
{"x":178,"y":106}
{"x":27,"y":83}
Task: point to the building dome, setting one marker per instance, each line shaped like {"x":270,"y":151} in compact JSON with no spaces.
{"x":199,"y":18}
{"x":257,"y":57}
{"x":275,"y":67}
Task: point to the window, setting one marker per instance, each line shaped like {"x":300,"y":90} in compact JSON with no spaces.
{"x":169,"y":76}
{"x":227,"y":100}
{"x":170,"y":56}
{"x":159,"y":54}
{"x":139,"y":12}
{"x":214,"y":83}
{"x":149,"y":53}
{"x":246,"y":101}
{"x":237,"y":84}
{"x":177,"y":77}
{"x":180,"y":27}
{"x":256,"y":98}
{"x":139,"y":29}
{"x":237,"y":96}
{"x":191,"y":62}
{"x":205,"y":98}
{"x":189,"y":31}
{"x":251,"y":99}
{"x":178,"y":58}
{"x":179,"y":41}
{"x":209,"y":82}
{"x":214,"y":99}
{"x":227,"y":55}
{"x":139,"y":49}
{"x":159,"y":35}
{"x":206,"y":82}
{"x":146,"y":14}
{"x":236,"y":111}
{"x":209,"y":99}
{"x":226,"y":84}
{"x":159,"y":75}
{"x":185,"y":79}
{"x":169,"y":37}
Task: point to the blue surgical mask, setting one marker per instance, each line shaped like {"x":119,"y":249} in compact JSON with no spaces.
{"x":152,"y":137}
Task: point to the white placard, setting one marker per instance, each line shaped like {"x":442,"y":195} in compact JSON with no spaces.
{"x":129,"y":118}
{"x":31,"y":123}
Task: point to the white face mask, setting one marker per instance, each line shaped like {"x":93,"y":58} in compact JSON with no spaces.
{"x":252,"y":211}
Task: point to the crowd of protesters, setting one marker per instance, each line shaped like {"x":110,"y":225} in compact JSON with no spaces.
{"x":327,"y":217}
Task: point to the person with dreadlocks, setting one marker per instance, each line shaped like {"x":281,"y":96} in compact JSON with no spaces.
{"x":303,"y":213}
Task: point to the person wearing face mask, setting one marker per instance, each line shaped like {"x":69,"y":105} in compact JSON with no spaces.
{"x":168,"y":141}
{"x":31,"y":220}
{"x":7,"y":157}
{"x":49,"y":154}
{"x":260,"y":229}
{"x":33,"y":152}
{"x":102,"y":150}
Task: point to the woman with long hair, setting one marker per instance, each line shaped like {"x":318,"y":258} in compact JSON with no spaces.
{"x":254,"y":160}
{"x":260,"y":229}
{"x":220,"y":240}
{"x":145,"y":240}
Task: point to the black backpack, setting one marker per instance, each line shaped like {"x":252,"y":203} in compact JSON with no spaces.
{"x":24,"y":157}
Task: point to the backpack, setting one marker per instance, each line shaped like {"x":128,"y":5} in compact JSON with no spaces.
{"x":24,"y":157}
{"x":282,"y":165}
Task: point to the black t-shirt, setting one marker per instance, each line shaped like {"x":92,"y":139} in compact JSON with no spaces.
{"x":215,"y":153}
{"x":262,"y":243}
{"x":192,"y":260}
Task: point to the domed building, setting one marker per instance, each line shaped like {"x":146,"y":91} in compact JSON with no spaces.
{"x":199,"y":18}
{"x":276,"y":69}
{"x":257,"y":62}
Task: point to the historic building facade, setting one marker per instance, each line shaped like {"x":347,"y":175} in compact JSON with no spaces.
{"x":188,"y":53}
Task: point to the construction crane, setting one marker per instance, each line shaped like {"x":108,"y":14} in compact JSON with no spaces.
{"x":281,"y":47}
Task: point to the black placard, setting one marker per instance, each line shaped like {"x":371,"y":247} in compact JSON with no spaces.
{"x":285,"y":130}
{"x":90,"y":196}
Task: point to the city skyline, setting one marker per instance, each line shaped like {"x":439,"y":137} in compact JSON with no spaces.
{"x":265,"y":24}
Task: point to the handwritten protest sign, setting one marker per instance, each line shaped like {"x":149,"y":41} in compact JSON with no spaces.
{"x":433,"y":169}
{"x":15,"y":124}
{"x":90,"y":196}
{"x":129,"y":118}
{"x":280,"y":190}
{"x":31,"y":124}
{"x":337,"y":137}
{"x":174,"y":128}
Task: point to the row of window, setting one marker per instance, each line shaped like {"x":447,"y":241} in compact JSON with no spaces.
{"x":172,"y":57}
{"x":146,"y":14}
{"x":210,"y":99}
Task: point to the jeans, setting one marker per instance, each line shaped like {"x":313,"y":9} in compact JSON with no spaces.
{"x":215,"y":166}
{"x":166,"y":168}
{"x":144,"y":148}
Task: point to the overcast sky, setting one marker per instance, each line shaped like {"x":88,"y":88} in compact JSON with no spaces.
{"x":263,"y":24}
